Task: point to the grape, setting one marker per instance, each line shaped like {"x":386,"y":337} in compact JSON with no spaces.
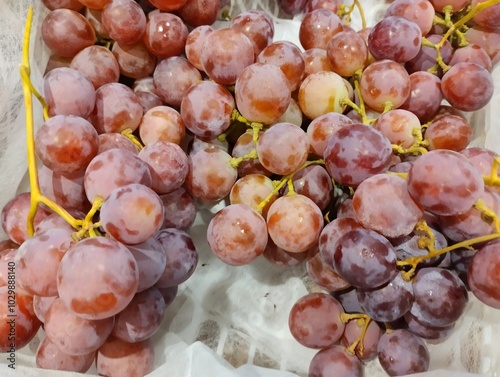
{"x":488,"y":17}
{"x":395,"y":38}
{"x":168,"y":165}
{"x":8,"y":251}
{"x":345,"y":209}
{"x":168,"y":5}
{"x":315,"y":321}
{"x":292,"y":7}
{"x":66,"y":4}
{"x":318,"y":27}
{"x":467,"y":86}
{"x":294,"y":223}
{"x":440,"y":297}
{"x":132,"y":213}
{"x":73,"y":334}
{"x":449,"y":132}
{"x":331,"y":234}
{"x":334,"y":360}
{"x":256,"y":27}
{"x":288,"y":58}
{"x":66,"y":32}
{"x":49,"y":356}
{"x":173,"y":77}
{"x":388,"y":303}
{"x":141,"y":318}
{"x":211,"y":176}
{"x":283,"y":148}
{"x":41,"y":305}
{"x":206,"y":109}
{"x":56,"y":61}
{"x":225,"y":54}
{"x":370,"y":341}
{"x":321,"y":93}
{"x":400,"y":353}
{"x":148,"y":100}
{"x":98,"y":64}
{"x":382,"y":203}
{"x":56,"y":221}
{"x":421,"y":12}
{"x":398,"y":126}
{"x":324,"y":276}
{"x":293,"y":114}
{"x":447,"y":194}
{"x":346,"y":53}
{"x":117,"y":358}
{"x":315,"y":183}
{"x":179,"y":209}
{"x":280,"y":257}
{"x":482,"y":274}
{"x":198,"y":144}
{"x":365,"y":259}
{"x":251,"y":190}
{"x":384,"y":81}
{"x":15,"y":217}
{"x":315,"y":60}
{"x":162,"y":123}
{"x":97,"y":293}
{"x":124,"y":21}
{"x":472,"y":54}
{"x":355,"y":153}
{"x":489,"y":39}
{"x":455,"y":4}
{"x":66,"y":144}
{"x":243,"y":146}
{"x":200,"y":12}
{"x":332,"y":5}
{"x":68,"y":92}
{"x":481,"y":158}
{"x":135,"y":60}
{"x":165,"y":35}
{"x":94,"y":4}
{"x":25,"y":324}
{"x":151,"y":261}
{"x":95,"y":18}
{"x":237,"y":234}
{"x":182,"y":257}
{"x":322,"y":127}
{"x":168,"y":294}
{"x":117,"y":108}
{"x":262,"y":93}
{"x":194,"y":44}
{"x":112,"y":169}
{"x":115,"y":140}
{"x":408,"y":247}
{"x":427,"y":56}
{"x":38,"y":260}
{"x":425,"y":95}
{"x":427,"y":332}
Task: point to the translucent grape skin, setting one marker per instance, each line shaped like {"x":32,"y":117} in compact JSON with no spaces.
{"x":165,"y":35}
{"x":370,"y":341}
{"x":334,"y":359}
{"x":124,"y":21}
{"x":237,"y":234}
{"x":449,"y":132}
{"x":98,"y":64}
{"x":73,"y":334}
{"x":179,"y":209}
{"x":8,"y":250}
{"x":257,"y":27}
{"x":162,"y":123}
{"x":318,"y":27}
{"x":447,"y":194}
{"x":49,"y":356}
{"x":489,"y":17}
{"x":93,"y":293}
{"x":482,"y":274}
{"x":314,"y":320}
{"x":294,"y":223}
{"x":400,"y":353}
{"x":315,"y":60}
{"x":251,"y":190}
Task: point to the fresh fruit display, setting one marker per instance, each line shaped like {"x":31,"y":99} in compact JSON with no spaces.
{"x":347,"y":155}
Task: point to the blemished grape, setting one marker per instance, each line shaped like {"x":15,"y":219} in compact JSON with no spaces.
{"x":315,"y":183}
{"x":50,"y":356}
{"x":323,"y":275}
{"x":41,"y":305}
{"x":321,"y":128}
{"x":256,"y":27}
{"x":117,"y":358}
{"x":135,"y":60}
{"x":447,"y":194}
{"x":400,"y":352}
{"x":315,"y":60}
{"x":467,"y":86}
{"x":440,"y":297}
{"x":206,"y":109}
{"x":124,"y":21}
{"x":165,"y":35}
{"x":72,"y":333}
{"x":211,"y":176}
{"x":151,"y":261}
{"x":182,"y":257}
{"x":370,"y":340}
{"x":315,"y":321}
{"x":262,"y":93}
{"x":68,"y":92}
{"x":98,"y":64}
{"x":112,"y":169}
{"x":382,"y":203}
{"x":132,"y":213}
{"x":66,"y":4}
{"x":398,"y":126}
{"x":179,"y":209}
{"x":482,"y":274}
{"x":331,"y":234}
{"x":141,"y":318}
{"x":251,"y":190}
{"x":472,"y":54}
{"x":243,"y":146}
{"x":200,"y":12}
{"x":321,"y":93}
{"x":395,"y":38}
{"x":346,"y":53}
{"x":66,"y":32}
{"x":168,"y":5}
{"x":26,"y":322}
{"x":294,"y":223}
{"x":449,"y":132}
{"x":194,"y":44}
{"x":356,"y":152}
{"x":318,"y":27}
{"x":280,"y":257}
{"x":385,"y":81}
{"x":66,"y":144}
{"x":97,"y":293}
{"x":237,"y":234}
{"x":427,"y":332}
{"x":334,"y":360}
{"x":365,"y":259}
{"x":425,"y":95}
{"x":283,"y":148}
{"x":420,"y":11}
{"x":162,"y":123}
{"x":113,"y":140}
{"x":173,"y":77}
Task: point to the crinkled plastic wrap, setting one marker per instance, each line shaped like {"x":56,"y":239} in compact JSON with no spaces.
{"x":230,"y":321}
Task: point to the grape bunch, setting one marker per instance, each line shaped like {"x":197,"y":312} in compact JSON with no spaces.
{"x":348,"y":154}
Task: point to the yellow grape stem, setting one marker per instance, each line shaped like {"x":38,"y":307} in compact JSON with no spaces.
{"x":359,"y":342}
{"x":488,"y":213}
{"x":236,"y":161}
{"x":88,"y":227}
{"x":128,"y":133}
{"x":361,"y":13}
{"x":413,"y":149}
{"x":493,"y":179}
{"x":346,"y":317}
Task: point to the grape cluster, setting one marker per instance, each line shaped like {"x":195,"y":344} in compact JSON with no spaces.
{"x":348,"y":154}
